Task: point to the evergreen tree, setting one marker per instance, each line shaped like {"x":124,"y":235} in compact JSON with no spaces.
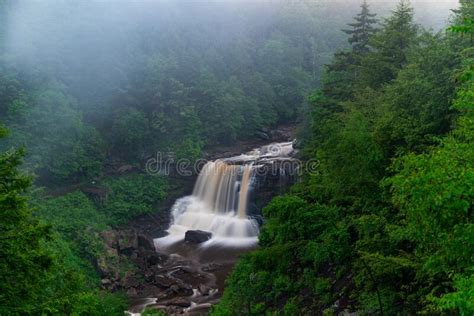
{"x":23,"y":260}
{"x":398,"y":34}
{"x":362,"y":30}
{"x":465,"y":12}
{"x":464,"y":19}
{"x":343,"y":70}
{"x":390,"y":46}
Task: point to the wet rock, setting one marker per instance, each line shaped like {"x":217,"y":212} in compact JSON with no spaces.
{"x":154,"y":259}
{"x":129,"y":281}
{"x":132,"y":292}
{"x":211,"y":267}
{"x":181,"y":302}
{"x":124,"y":169}
{"x":262,"y":135}
{"x":163,"y":281}
{"x":197,"y":236}
{"x":181,"y":271}
{"x":175,"y":288}
{"x":204,"y":290}
{"x":145,"y":242}
{"x":280,"y":135}
{"x":181,"y":289}
{"x":258,"y":218}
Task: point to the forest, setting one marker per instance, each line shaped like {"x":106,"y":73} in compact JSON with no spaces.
{"x":381,"y":95}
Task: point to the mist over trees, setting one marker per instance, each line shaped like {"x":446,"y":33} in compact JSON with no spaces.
{"x":91,"y":79}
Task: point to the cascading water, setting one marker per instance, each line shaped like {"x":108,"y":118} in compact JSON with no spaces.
{"x":219,"y":200}
{"x":220,"y":204}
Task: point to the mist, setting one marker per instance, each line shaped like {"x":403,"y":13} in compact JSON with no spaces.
{"x":93,"y":45}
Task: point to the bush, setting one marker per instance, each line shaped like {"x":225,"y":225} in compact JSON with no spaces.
{"x":133,"y":195}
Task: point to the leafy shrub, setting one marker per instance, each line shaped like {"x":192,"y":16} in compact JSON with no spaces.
{"x":133,"y":195}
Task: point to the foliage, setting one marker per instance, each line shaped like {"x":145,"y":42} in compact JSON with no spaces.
{"x":153,"y":312}
{"x":72,"y":286}
{"x":40,"y":273}
{"x":132,"y":195}
{"x":76,"y":218}
{"x":24,"y":259}
{"x":280,"y":274}
{"x":68,"y":150}
{"x":385,"y":225}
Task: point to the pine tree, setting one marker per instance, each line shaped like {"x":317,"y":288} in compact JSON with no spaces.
{"x":388,"y":48}
{"x":343,"y":70}
{"x":398,"y":33}
{"x":464,"y":19}
{"x":465,"y":11}
{"x":362,"y":30}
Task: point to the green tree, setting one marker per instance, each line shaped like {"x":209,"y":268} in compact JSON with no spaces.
{"x":343,"y":70}
{"x":131,"y":133}
{"x":390,"y":45}
{"x":362,"y":30}
{"x":24,"y":260}
{"x":415,"y":107}
{"x":60,"y":146}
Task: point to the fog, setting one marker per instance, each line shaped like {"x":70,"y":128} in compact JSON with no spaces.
{"x":184,"y":74}
{"x":92,"y":45}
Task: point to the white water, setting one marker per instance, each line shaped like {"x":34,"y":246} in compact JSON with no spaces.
{"x":219,"y":203}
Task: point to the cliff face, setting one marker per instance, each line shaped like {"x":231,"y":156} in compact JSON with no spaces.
{"x":272,"y":179}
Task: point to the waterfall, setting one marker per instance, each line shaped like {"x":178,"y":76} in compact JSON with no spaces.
{"x":217,"y":186}
{"x":244,"y":190}
{"x":219,"y":200}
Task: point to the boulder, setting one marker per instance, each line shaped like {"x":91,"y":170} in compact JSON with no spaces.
{"x":279,"y":135}
{"x":262,"y":135}
{"x":128,"y":242}
{"x":164,"y":281}
{"x":129,"y":280}
{"x":181,"y":289}
{"x":154,"y":259}
{"x":197,"y":236}
{"x":105,"y":282}
{"x":204,"y":290}
{"x":211,"y":267}
{"x":180,"y":301}
{"x":124,"y":169}
{"x":132,"y":292}
{"x":145,"y":242}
